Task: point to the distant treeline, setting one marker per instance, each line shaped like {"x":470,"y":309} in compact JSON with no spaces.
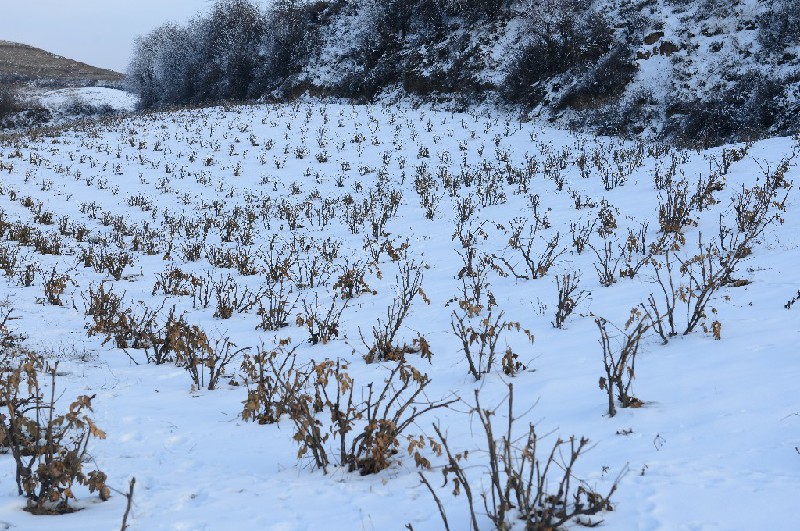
{"x":572,"y":60}
{"x":239,"y":51}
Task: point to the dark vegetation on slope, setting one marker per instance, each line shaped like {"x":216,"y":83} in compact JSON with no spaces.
{"x":731,"y":76}
{"x":16,"y":113}
{"x":23,"y":66}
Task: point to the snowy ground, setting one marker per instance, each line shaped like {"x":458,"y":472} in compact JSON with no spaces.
{"x":714,"y":447}
{"x":56,"y":100}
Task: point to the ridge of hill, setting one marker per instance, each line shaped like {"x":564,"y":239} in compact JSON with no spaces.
{"x":21,"y":63}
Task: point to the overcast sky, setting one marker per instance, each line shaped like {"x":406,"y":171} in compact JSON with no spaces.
{"x":97,"y":32}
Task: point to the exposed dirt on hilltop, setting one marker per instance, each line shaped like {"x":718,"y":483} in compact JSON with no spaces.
{"x":20,"y":63}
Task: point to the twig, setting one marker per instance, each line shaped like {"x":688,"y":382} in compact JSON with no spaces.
{"x":129,"y":496}
{"x":436,"y":499}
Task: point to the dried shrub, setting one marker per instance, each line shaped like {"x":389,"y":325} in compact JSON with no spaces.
{"x":49,"y":449}
{"x":369,"y":432}
{"x":206,"y":362}
{"x":524,"y":483}
{"x":232,"y":298}
{"x":26,"y":274}
{"x":479,"y":336}
{"x":277,"y":304}
{"x":105,"y":261}
{"x":712,"y":266}
{"x":607,"y":263}
{"x":703,"y":196}
{"x":9,"y":339}
{"x":635,"y":251}
{"x":55,"y":285}
{"x":21,"y":233}
{"x":620,"y":363}
{"x":274,"y":381}
{"x":47,"y":243}
{"x":351,"y":283}
{"x":792,"y":301}
{"x":383,"y":346}
{"x":705,"y":273}
{"x":277,"y":310}
{"x":322,"y":323}
{"x":174,"y":341}
{"x":474,"y":278}
{"x":581,"y":236}
{"x":171,"y":342}
{"x":173,"y":281}
{"x":607,"y":215}
{"x":675,"y":210}
{"x":108,"y":316}
{"x":9,"y":258}
{"x":569,"y":296}
{"x":536,"y":263}
{"x":664,"y":316}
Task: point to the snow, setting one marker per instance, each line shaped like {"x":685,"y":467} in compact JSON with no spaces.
{"x":714,"y":447}
{"x":56,"y":100}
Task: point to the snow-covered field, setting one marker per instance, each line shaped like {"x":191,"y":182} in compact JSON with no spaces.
{"x":251,"y":203}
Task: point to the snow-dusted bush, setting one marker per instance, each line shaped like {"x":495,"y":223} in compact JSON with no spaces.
{"x":779,"y":26}
{"x":288,"y":37}
{"x":564,"y":37}
{"x":15,"y":113}
{"x":8,"y":101}
{"x":602,"y":82}
{"x":160,"y":71}
{"x":229,"y":41}
{"x":749,"y":105}
{"x":236,"y":52}
{"x":83,"y":109}
{"x":633,"y":114}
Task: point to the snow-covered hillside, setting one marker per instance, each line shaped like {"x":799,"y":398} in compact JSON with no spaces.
{"x":361,"y":244}
{"x":697,"y":73}
{"x":60,"y":101}
{"x":33,"y":107}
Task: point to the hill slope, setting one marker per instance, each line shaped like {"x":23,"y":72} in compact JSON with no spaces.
{"x":20,"y":63}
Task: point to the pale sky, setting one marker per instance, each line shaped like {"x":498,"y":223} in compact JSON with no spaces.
{"x":97,"y":32}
